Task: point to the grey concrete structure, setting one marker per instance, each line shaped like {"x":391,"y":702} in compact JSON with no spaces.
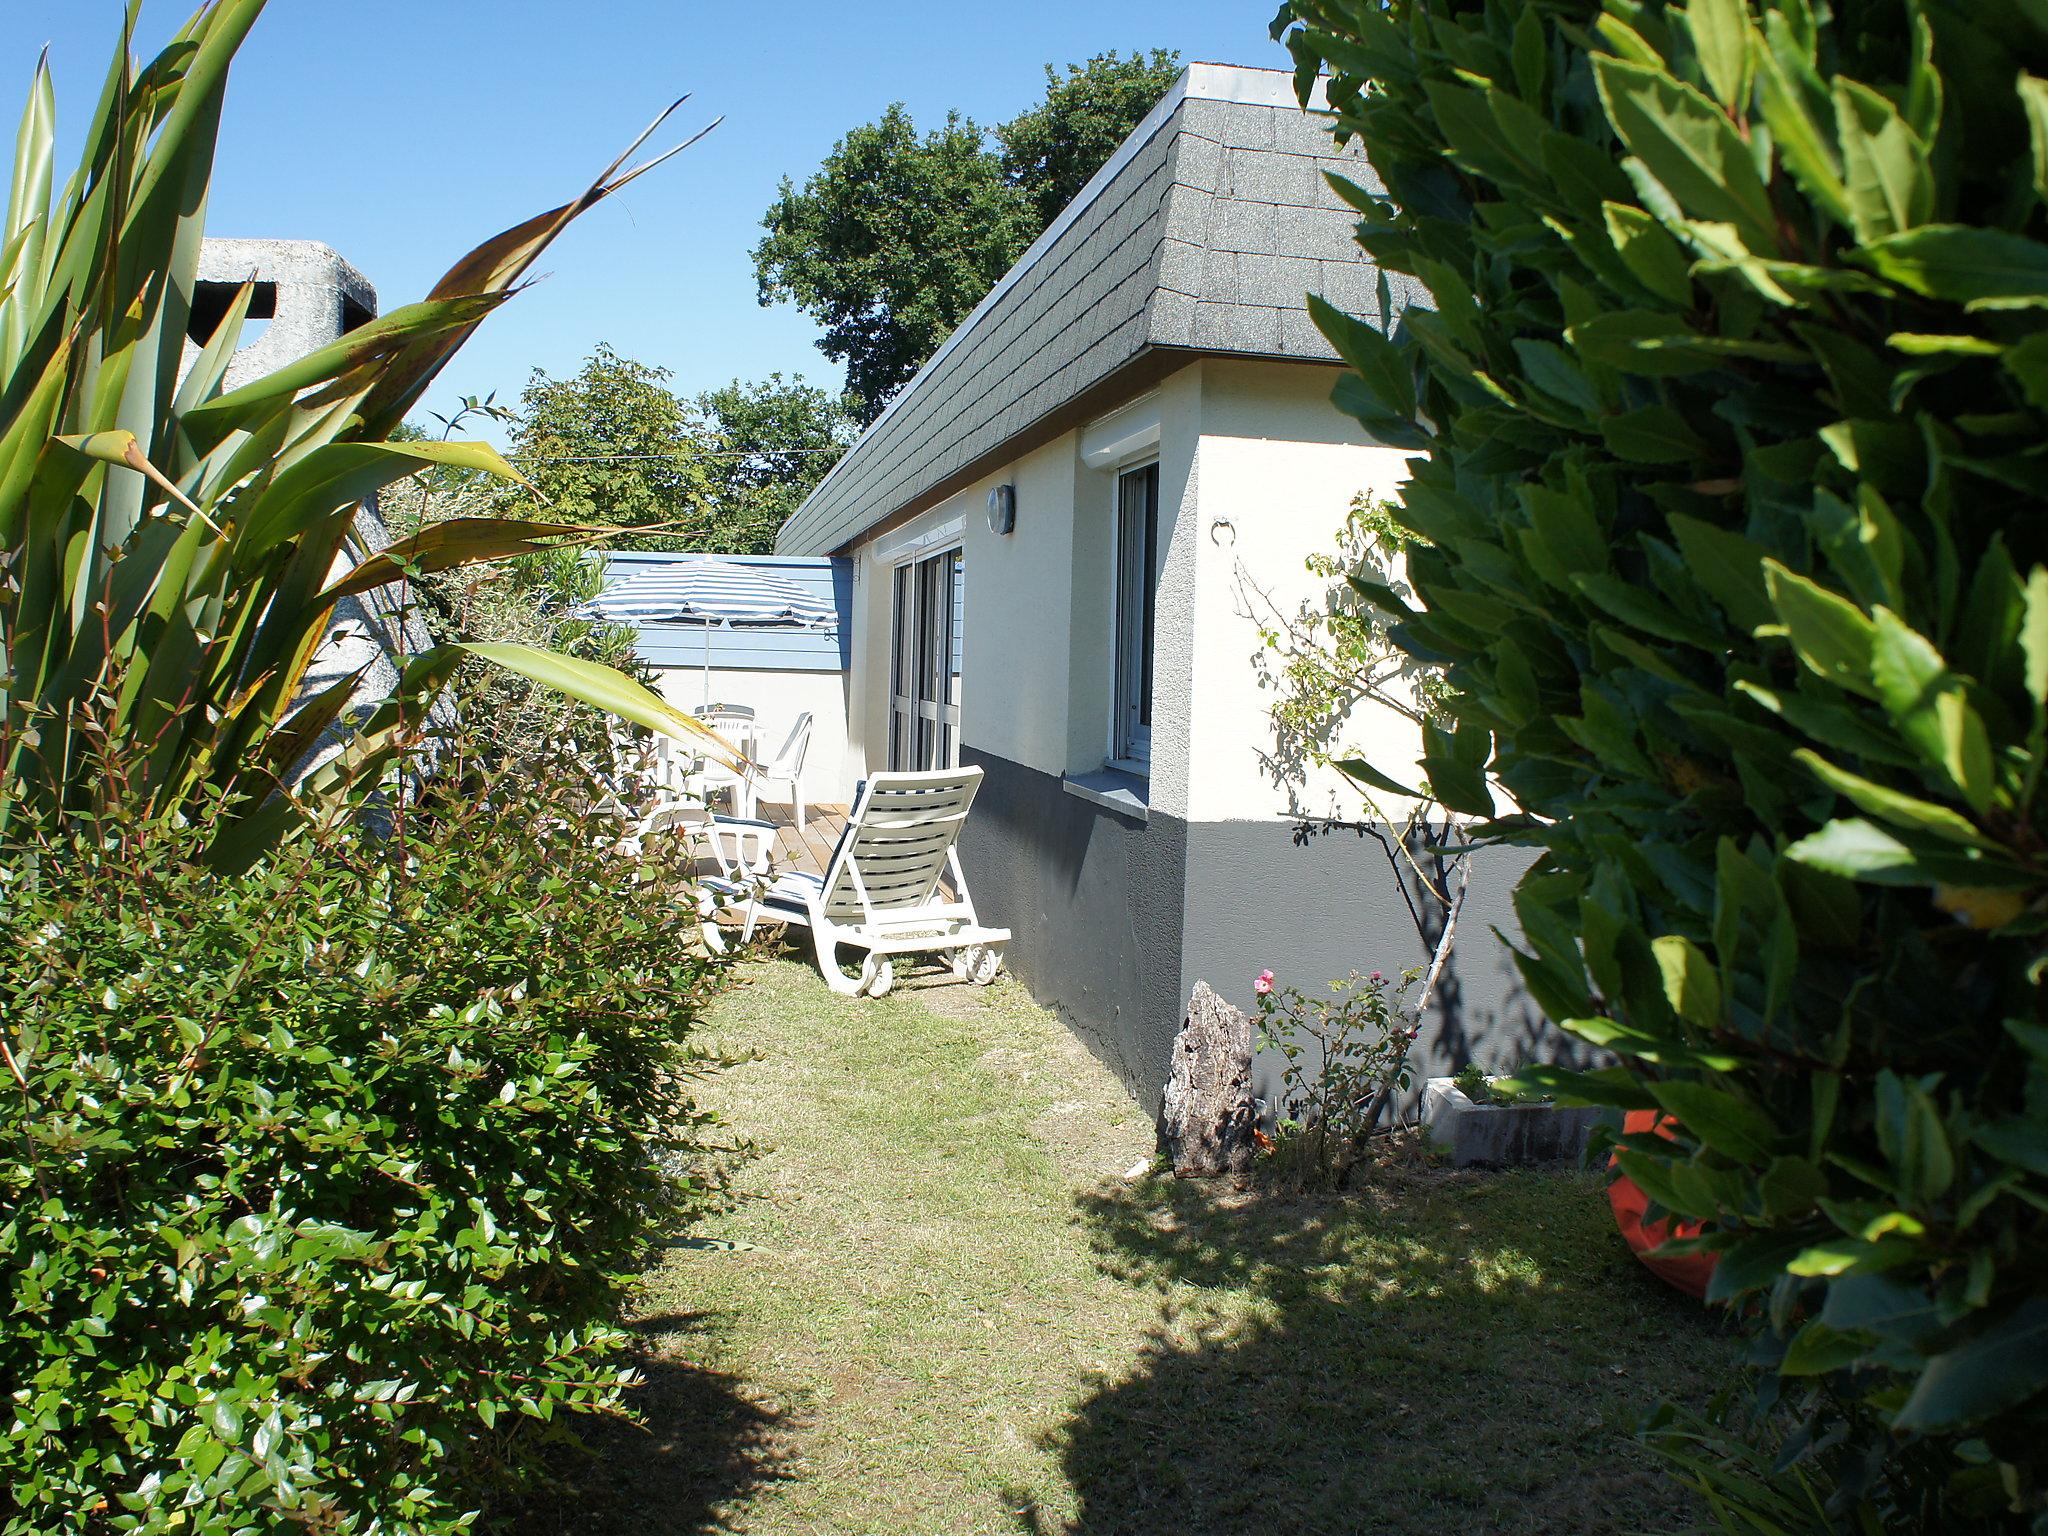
{"x":1204,"y":233}
{"x":1114,"y":920}
{"x":1502,"y":1135}
{"x":305,"y":296}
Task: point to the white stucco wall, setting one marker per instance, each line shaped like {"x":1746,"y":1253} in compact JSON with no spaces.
{"x":1257,"y":473}
{"x":1279,"y":467}
{"x":777,"y":698}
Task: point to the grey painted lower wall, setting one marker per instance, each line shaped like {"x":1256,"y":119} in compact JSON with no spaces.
{"x":1312,"y":907}
{"x":1093,"y":901}
{"x":1114,"y":920}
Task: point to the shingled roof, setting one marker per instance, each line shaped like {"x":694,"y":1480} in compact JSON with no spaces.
{"x":1203,"y":234}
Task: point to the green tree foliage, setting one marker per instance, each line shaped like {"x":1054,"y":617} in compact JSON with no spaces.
{"x":612,"y":445}
{"x":891,"y":243}
{"x":1049,"y":152}
{"x":320,"y":1184}
{"x":1734,"y":397}
{"x":899,"y":234}
{"x":529,"y":600}
{"x":771,"y":441}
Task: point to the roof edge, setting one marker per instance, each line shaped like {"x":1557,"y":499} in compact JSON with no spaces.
{"x":1144,"y":370}
{"x":1237,"y":84}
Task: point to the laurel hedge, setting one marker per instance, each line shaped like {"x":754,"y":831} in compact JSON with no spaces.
{"x":1733,"y":382}
{"x":319,"y":1184}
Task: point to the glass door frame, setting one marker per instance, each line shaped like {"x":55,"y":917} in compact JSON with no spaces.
{"x":927,"y":587}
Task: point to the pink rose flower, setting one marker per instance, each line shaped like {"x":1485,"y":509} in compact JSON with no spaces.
{"x":1264,"y":984}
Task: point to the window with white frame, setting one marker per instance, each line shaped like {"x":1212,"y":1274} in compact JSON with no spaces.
{"x":1137,"y":588}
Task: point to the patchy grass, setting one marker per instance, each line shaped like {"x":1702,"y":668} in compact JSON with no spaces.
{"x":946,"y":1310}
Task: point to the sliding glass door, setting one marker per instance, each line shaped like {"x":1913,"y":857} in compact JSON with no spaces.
{"x":924,"y":684}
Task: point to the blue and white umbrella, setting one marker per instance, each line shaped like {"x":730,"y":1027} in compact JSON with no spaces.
{"x":711,"y":592}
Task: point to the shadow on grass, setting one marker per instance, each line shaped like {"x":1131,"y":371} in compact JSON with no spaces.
{"x":1437,"y":1348}
{"x":702,"y":1442}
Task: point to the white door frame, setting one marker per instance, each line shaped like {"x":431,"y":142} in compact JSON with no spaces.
{"x":924,"y":681}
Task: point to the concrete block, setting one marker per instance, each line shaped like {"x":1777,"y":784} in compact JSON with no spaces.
{"x":1219,"y":277}
{"x":1247,"y":227}
{"x":1254,"y":328}
{"x":1188,"y":215}
{"x":1241,"y":127}
{"x":1267,"y":176}
{"x":1212,"y":324}
{"x":1300,"y":338}
{"x":307,"y":293}
{"x":1353,"y":286}
{"x":1315,"y":232}
{"x":1501,"y":1135}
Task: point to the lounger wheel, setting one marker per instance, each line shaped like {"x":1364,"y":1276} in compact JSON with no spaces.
{"x":978,"y":963}
{"x":849,"y":986}
{"x":877,"y":976}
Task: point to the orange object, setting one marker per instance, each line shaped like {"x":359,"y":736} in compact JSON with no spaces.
{"x":1689,"y":1272}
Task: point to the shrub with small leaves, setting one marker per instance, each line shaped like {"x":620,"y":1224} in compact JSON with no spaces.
{"x":1338,"y":1051}
{"x":319,"y":1183}
{"x":1734,"y":396}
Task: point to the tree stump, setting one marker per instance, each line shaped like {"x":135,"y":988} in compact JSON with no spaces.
{"x":1209,"y":1117}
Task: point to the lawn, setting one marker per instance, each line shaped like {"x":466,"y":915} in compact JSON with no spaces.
{"x":943,"y":1307}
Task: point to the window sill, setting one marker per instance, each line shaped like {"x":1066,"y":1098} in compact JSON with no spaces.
{"x":1125,"y":794}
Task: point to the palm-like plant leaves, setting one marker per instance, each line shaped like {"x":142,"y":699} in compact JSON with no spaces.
{"x":170,"y":555}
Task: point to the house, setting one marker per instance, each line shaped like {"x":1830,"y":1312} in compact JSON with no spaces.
{"x":1060,"y":534}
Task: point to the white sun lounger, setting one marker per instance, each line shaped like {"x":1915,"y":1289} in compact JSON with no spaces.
{"x":881,"y":892}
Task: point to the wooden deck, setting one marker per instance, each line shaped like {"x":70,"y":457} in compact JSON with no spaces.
{"x":812,"y":851}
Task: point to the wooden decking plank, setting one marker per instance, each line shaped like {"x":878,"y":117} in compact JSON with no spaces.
{"x":810,"y":850}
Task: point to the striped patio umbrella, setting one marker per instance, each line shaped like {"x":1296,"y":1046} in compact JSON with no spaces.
{"x":711,"y":592}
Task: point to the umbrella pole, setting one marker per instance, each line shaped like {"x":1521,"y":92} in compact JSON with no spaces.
{"x":707,"y":663}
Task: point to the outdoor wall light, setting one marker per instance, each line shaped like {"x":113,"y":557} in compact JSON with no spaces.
{"x":1002,"y":509}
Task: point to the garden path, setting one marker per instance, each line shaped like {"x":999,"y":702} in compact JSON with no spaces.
{"x":940,"y":1306}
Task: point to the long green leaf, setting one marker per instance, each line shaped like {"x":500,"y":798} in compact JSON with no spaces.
{"x":607,"y":689}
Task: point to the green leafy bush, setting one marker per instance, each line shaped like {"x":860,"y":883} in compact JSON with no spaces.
{"x":1339,"y":1055}
{"x":320,"y":1182}
{"x":1734,"y":392}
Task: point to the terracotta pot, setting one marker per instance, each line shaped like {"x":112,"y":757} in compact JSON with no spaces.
{"x":1689,"y":1272}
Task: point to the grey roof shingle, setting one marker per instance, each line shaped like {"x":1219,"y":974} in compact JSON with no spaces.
{"x":1206,"y":231}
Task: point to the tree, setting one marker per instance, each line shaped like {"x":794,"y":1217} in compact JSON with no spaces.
{"x":1049,"y":152}
{"x":613,"y":445}
{"x":770,"y":443}
{"x":898,"y":235}
{"x":890,"y":245}
{"x":1733,"y":395}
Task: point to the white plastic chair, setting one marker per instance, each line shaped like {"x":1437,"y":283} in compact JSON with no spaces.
{"x":742,"y":851}
{"x":881,"y":892}
{"x":735,"y":722}
{"x":787,"y":767}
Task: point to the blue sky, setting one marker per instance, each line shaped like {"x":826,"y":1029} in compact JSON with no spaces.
{"x":401,"y":132}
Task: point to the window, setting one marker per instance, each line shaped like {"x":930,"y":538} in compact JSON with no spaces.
{"x":210,"y":304}
{"x":1137,"y":588}
{"x":924,"y":690}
